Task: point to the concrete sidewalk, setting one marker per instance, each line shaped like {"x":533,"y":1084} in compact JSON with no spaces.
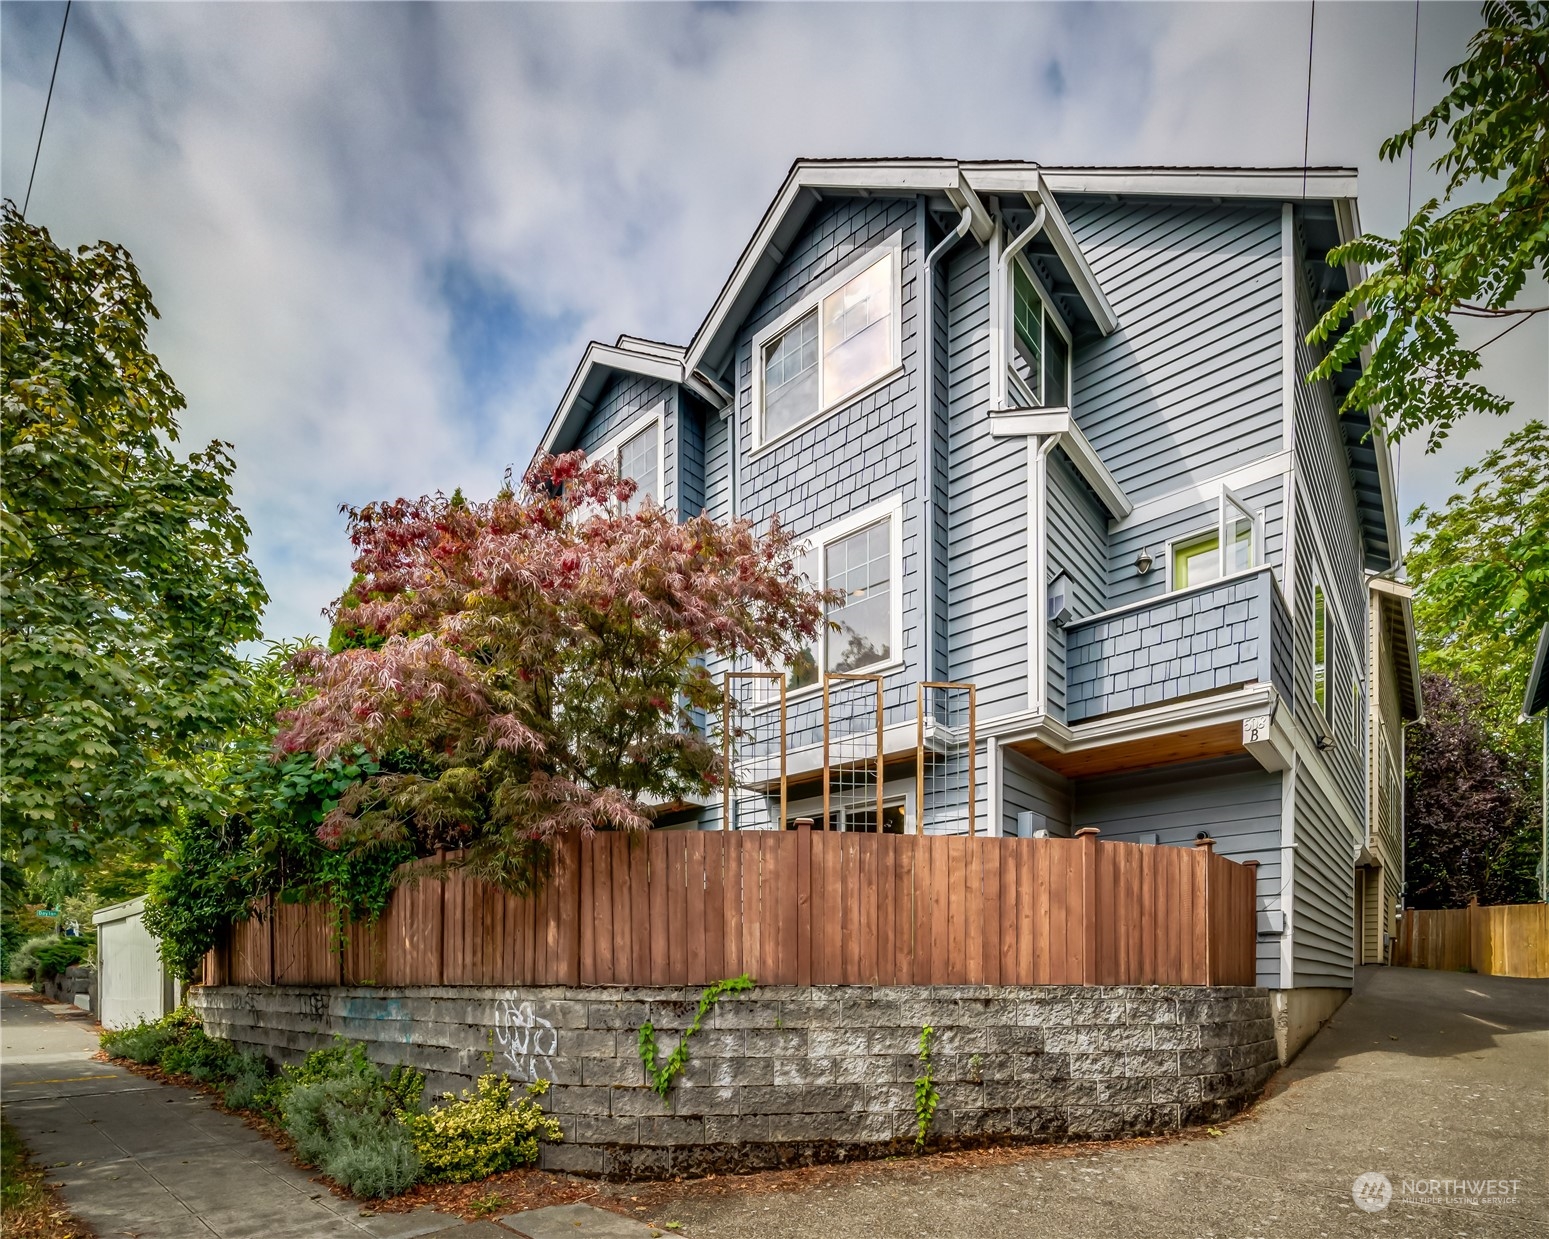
{"x":1422,"y":1075}
{"x":145,"y":1160}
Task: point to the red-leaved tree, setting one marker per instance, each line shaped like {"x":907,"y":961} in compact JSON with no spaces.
{"x":538,"y":661}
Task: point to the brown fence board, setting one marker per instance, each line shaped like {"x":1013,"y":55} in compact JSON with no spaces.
{"x":1508,"y":940}
{"x":825,"y":908}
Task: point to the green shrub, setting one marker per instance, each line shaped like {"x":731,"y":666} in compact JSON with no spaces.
{"x":481,"y":1133}
{"x":46,"y":955}
{"x":249,"y":1079}
{"x":203,"y":1057}
{"x":348,"y":1119}
{"x":141,"y":1044}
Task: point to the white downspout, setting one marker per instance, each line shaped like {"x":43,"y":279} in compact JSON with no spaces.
{"x":927,"y":442}
{"x":1038,"y":574}
{"x":1000,"y":320}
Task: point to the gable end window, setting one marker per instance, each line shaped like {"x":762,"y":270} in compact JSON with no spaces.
{"x":837,"y":344}
{"x":636,"y":453}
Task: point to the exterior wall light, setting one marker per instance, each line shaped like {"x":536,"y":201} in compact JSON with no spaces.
{"x":1143,"y":561}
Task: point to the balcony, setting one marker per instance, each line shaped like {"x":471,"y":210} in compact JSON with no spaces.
{"x":1216,"y":636}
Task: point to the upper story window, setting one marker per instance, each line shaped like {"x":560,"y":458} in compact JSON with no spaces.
{"x":836,"y":344}
{"x":1040,"y":343}
{"x":861,"y":558}
{"x":636,"y":453}
{"x":1197,"y":559}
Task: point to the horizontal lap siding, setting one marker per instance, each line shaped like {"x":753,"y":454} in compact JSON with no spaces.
{"x":1126,"y":585}
{"x":1188,"y":387}
{"x":986,"y":577}
{"x":861,"y":453}
{"x":1029,"y":787}
{"x":717,"y":448}
{"x":689,"y":459}
{"x":1326,"y":503}
{"x":1323,"y":903}
{"x":1078,"y":546}
{"x":1234,"y":799}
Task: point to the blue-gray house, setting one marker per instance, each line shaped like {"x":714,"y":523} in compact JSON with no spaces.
{"x":1048,"y":432}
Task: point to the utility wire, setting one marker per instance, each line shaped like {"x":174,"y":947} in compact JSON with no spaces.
{"x":1414,"y":84}
{"x":1312,"y":22}
{"x":27,"y":201}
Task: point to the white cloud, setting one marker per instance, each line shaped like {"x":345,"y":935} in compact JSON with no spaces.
{"x":297,"y":182}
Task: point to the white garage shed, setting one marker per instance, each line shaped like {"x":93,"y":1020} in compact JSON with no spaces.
{"x":132,"y":982}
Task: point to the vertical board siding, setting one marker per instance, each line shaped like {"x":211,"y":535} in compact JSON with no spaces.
{"x":986,"y":585}
{"x":1322,"y":937}
{"x":1078,"y":545}
{"x":791,"y":908}
{"x":1188,"y":387}
{"x":1234,"y":799}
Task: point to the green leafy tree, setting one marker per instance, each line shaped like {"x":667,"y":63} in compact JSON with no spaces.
{"x":1471,"y":259}
{"x":126,"y":583}
{"x":1480,"y":564}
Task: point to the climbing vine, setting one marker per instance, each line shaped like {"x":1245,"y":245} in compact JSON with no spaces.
{"x":925,"y":1094}
{"x":662,"y":1074}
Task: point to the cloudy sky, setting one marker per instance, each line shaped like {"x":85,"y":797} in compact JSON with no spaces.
{"x":380,"y":235}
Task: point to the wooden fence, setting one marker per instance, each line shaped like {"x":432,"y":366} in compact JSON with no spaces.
{"x":794,"y":907}
{"x":1510,"y":940}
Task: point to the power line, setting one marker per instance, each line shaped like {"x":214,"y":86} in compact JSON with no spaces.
{"x":1312,"y":21}
{"x":27,"y":201}
{"x":1414,"y":85}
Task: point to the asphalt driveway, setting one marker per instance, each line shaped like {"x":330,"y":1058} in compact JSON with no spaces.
{"x":1421,"y":1076}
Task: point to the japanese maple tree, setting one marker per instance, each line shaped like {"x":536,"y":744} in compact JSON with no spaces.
{"x":534,"y":664}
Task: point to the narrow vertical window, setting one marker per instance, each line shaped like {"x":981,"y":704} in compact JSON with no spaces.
{"x":637,"y":460}
{"x":1320,"y":651}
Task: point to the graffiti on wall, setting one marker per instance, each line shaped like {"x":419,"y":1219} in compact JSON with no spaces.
{"x":528,"y":1040}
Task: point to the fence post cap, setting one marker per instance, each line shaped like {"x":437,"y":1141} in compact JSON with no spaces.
{"x":1088,"y":832}
{"x":803,"y":823}
{"x":1208,"y":843}
{"x":1250,"y":864}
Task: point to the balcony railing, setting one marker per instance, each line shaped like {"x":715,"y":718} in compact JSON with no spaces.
{"x":1216,"y":636}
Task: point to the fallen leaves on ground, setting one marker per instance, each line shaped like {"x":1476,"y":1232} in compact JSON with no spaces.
{"x":30,"y":1207}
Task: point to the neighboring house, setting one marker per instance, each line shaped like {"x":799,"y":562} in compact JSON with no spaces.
{"x":1047,"y":429}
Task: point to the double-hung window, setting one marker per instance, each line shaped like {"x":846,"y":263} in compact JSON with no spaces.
{"x":860,"y":559}
{"x":1040,"y":344}
{"x":830,"y":349}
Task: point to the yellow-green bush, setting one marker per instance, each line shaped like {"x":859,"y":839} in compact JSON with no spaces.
{"x":481,"y":1133}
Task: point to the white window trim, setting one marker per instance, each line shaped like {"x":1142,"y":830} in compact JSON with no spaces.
{"x":1009,"y":328}
{"x":811,"y":301}
{"x":1225,"y":498}
{"x":1325,"y":711}
{"x":890,"y":509}
{"x":609,"y":449}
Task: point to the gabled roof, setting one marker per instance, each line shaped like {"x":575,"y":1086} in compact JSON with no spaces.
{"x":631,"y":355}
{"x":1397,"y":618}
{"x":1536,"y":699}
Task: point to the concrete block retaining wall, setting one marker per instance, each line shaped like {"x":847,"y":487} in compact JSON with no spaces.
{"x":788,"y":1075}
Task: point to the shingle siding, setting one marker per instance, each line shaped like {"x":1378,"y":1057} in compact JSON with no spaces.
{"x":864,"y":451}
{"x":624,"y":398}
{"x":1192,"y":642}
